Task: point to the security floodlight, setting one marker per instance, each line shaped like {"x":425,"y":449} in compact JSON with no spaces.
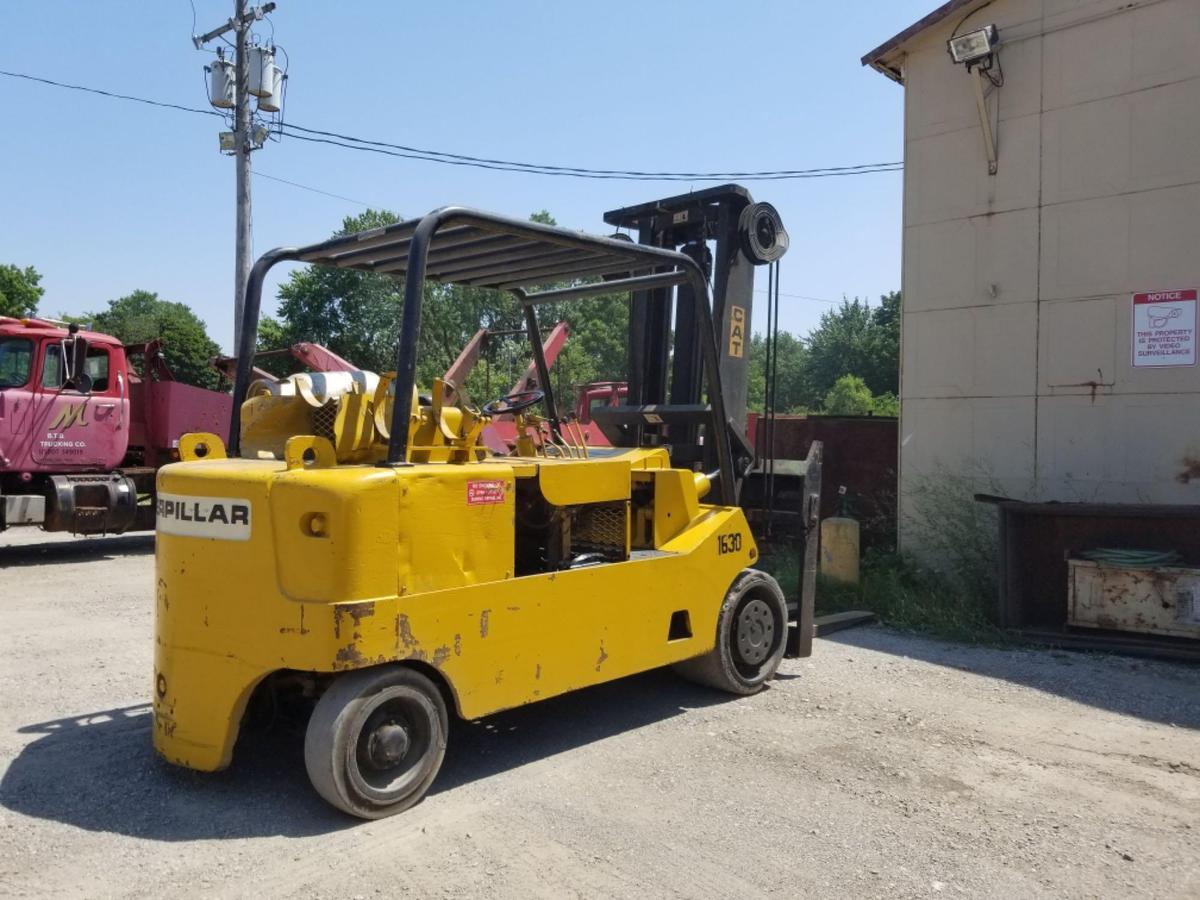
{"x":259,"y":136}
{"x":976,"y":50}
{"x":973,"y":46}
{"x":228,"y":143}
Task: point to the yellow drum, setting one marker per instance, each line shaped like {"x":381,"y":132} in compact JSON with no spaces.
{"x":839,"y":549}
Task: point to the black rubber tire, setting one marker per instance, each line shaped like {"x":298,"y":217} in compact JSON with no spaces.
{"x":337,"y":759}
{"x":723,"y":667}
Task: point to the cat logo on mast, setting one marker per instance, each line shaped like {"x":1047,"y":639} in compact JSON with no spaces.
{"x":70,"y":414}
{"x":737,"y":331}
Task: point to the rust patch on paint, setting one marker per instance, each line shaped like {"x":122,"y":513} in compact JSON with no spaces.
{"x":499,"y":676}
{"x":483,"y":622}
{"x":354,"y":611}
{"x":1191,"y":470}
{"x":458,"y":645}
{"x":298,"y":630}
{"x":160,"y":594}
{"x":603,"y":657}
{"x":404,"y":635}
{"x":537,"y":672}
{"x":360,"y":611}
{"x":513,"y":608}
{"x":349,"y":657}
{"x":440,"y":655}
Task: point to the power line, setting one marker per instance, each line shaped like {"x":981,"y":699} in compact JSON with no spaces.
{"x":574,"y":169}
{"x":111,"y":94}
{"x":385,"y":148}
{"x":800,"y":296}
{"x":598,"y":174}
{"x":305,"y":187}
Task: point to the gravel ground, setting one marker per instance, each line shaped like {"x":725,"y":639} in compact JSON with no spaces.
{"x":885,"y":765}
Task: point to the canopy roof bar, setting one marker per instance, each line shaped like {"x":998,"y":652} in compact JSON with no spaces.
{"x":638,"y":283}
{"x":457,"y":245}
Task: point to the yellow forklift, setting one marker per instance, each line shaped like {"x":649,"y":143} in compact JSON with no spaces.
{"x":356,"y":546}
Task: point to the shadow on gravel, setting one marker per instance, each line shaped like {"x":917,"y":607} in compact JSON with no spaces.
{"x":80,"y":550}
{"x":99,"y":772}
{"x":1156,"y":691}
{"x":530,"y":733}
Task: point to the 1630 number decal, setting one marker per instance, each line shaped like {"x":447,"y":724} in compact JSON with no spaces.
{"x":729,"y":543}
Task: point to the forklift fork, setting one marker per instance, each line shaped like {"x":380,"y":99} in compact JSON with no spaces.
{"x":800,"y":611}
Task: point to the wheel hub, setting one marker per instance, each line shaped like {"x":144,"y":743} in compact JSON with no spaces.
{"x":755,"y":632}
{"x":387,"y":745}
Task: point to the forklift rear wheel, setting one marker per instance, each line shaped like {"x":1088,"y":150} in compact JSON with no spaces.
{"x":751,"y":631}
{"x":376,"y":740}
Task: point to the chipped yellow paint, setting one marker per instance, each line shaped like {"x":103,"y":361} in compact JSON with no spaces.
{"x":350,"y":566}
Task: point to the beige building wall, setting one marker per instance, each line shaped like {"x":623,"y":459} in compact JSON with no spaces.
{"x":1017,"y":286}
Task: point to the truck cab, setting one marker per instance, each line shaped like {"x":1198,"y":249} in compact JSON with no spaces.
{"x":64,"y":402}
{"x":64,"y":411}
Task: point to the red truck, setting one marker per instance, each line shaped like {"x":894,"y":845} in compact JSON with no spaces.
{"x":82,"y":433}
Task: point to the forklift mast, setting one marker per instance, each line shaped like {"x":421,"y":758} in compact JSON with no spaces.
{"x":727,"y":233}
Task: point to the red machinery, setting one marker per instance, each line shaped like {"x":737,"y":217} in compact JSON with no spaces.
{"x":501,"y":434}
{"x":598,"y":395}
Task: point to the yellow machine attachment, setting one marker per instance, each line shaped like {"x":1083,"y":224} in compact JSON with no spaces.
{"x":470,"y":583}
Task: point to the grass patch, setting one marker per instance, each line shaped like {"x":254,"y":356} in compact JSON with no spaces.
{"x":900,"y":592}
{"x":949,"y":592}
{"x":906,"y":596}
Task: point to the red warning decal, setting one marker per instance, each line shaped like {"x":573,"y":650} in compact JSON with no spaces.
{"x":484,"y":492}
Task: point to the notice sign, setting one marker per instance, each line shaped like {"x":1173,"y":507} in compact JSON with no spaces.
{"x":480,"y":492}
{"x":1164,"y":329}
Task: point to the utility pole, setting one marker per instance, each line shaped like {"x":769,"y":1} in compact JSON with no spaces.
{"x":244,"y":138}
{"x":241,"y":135}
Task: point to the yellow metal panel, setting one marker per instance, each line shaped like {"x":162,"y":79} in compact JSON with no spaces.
{"x":224,"y":619}
{"x":336,"y":533}
{"x":452,"y":529}
{"x":570,"y":482}
{"x":675,"y":503}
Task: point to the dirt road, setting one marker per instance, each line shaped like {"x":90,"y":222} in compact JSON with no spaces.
{"x":884,"y":766}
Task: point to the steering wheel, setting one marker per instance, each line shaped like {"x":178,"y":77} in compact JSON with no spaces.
{"x":514,"y":403}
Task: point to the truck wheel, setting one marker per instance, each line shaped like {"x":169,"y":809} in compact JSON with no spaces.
{"x":751,"y":631}
{"x":376,"y":740}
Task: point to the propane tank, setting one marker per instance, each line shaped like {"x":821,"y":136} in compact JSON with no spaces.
{"x":221,"y":91}
{"x":839,"y":549}
{"x":272,"y":101}
{"x":260,"y":61}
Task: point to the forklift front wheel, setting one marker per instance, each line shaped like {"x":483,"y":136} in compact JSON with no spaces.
{"x":751,"y":632}
{"x":376,"y":740}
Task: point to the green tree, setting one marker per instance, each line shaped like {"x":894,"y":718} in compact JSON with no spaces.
{"x":856,"y":339}
{"x":20,"y":291}
{"x":887,"y":404}
{"x":791,"y":375}
{"x":354,"y":314}
{"x":849,"y":396}
{"x":143,"y":316}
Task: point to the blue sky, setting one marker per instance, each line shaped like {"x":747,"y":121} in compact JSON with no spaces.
{"x":105,"y":197}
